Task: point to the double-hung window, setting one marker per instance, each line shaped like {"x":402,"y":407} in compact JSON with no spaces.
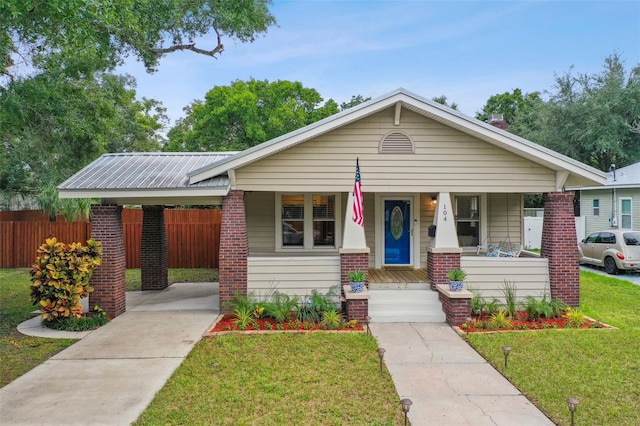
{"x":467,"y":215}
{"x":307,"y":221}
{"x":596,"y":207}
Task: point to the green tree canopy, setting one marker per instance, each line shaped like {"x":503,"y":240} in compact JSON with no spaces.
{"x":513,"y":106}
{"x":355,"y":100}
{"x":442,"y":100}
{"x":53,"y":125}
{"x":246,"y":113}
{"x":591,"y":118}
{"x":107,"y":31}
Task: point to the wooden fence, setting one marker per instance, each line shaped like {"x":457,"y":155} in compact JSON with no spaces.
{"x":193,"y":236}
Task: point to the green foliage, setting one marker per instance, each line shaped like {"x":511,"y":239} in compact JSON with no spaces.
{"x":247,"y":113}
{"x":500,"y":319}
{"x":538,"y":308}
{"x":313,"y":307}
{"x":355,"y":100}
{"x":281,"y":306}
{"x":356,"y":276}
{"x":509,"y":292}
{"x":492,"y":307}
{"x":60,"y":277}
{"x":53,"y":125}
{"x":443,"y":101}
{"x":108,"y":31}
{"x":591,"y":118}
{"x":81,"y":323}
{"x":456,"y":274}
{"x":243,"y":316}
{"x":513,"y":106}
{"x":575,"y":317}
{"x":331,"y":320}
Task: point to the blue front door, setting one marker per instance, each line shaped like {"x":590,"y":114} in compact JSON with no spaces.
{"x":397,"y":232}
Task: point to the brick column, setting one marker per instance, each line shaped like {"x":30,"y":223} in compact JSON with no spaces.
{"x":352,"y":259}
{"x":234,"y":247}
{"x":108,"y":279}
{"x":439,"y":262}
{"x":560,"y":246}
{"x":154,"y":256}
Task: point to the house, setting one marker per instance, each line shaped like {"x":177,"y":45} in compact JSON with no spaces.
{"x":437,"y":184}
{"x":614,"y":206}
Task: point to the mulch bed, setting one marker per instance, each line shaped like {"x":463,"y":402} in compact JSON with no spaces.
{"x":481,"y":325}
{"x":225,"y":324}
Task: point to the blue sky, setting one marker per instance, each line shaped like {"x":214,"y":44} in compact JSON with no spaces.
{"x":466,"y":50}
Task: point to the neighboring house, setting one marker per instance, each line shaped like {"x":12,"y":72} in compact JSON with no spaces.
{"x":615,"y":206}
{"x":286,"y":220}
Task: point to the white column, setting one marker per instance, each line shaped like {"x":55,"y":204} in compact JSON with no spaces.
{"x":444,"y":220}
{"x":353,"y":235}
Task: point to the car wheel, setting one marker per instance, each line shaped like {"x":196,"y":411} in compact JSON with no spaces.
{"x":610,"y":266}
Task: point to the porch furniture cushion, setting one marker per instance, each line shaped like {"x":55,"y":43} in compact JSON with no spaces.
{"x":492,"y":251}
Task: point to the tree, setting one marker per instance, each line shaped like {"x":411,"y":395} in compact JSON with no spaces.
{"x":590,"y":118}
{"x":355,"y":100}
{"x":108,"y":31}
{"x":53,"y":125}
{"x":513,"y":106}
{"x":442,"y":100}
{"x":244,"y":114}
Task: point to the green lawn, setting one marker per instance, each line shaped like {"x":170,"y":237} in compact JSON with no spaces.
{"x":20,"y":353}
{"x":277,"y":379}
{"x":601,"y":368}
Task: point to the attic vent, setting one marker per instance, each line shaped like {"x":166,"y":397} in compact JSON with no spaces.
{"x":396,"y":143}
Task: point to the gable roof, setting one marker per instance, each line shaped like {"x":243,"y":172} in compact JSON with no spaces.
{"x":399,"y":99}
{"x":625,"y":177}
{"x":147,"y":177}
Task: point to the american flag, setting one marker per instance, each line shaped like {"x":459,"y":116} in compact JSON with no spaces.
{"x":358,"y":202}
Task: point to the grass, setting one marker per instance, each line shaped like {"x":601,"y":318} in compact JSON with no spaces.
{"x":20,"y":353}
{"x":275,"y":379}
{"x":175,"y":275}
{"x":598,"y":367}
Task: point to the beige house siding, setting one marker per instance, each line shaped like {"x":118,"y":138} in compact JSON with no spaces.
{"x":487,"y":275}
{"x":292,"y":275}
{"x":427,"y":212}
{"x":503,"y":226}
{"x":601,"y":222}
{"x":261,"y":221}
{"x":444,"y":160}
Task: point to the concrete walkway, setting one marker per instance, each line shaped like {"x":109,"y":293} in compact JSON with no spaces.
{"x":111,"y":375}
{"x":447,"y":381}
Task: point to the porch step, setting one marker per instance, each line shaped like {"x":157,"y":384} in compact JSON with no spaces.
{"x":405,"y":305}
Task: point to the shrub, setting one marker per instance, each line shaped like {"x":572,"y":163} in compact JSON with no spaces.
{"x":82,"y":323}
{"x":331,"y":320}
{"x":60,"y":277}
{"x":509,"y":292}
{"x":575,"y":318}
{"x":500,"y":319}
{"x":281,"y":306}
{"x":314,"y":306}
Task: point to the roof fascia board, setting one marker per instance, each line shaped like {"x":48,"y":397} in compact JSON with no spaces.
{"x":587,"y":188}
{"x":142,"y":193}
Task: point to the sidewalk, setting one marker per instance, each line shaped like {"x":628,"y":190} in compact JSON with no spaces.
{"x":111,"y":375}
{"x":447,"y":381}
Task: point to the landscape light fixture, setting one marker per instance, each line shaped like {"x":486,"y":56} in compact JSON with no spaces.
{"x":406,"y":405}
{"x":367,"y":320}
{"x":573,"y":406}
{"x":506,"y":350}
{"x":381,"y":352}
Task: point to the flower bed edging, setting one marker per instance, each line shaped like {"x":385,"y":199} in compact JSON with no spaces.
{"x":590,"y":321}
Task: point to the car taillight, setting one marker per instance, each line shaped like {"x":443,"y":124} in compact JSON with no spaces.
{"x":620,"y":256}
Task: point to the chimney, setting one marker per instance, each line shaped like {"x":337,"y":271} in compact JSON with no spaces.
{"x":497,"y":120}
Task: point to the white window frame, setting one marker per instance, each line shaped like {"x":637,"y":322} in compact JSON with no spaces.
{"x":308,"y":223}
{"x":480,"y":220}
{"x":596,"y":209}
{"x":630,"y":214}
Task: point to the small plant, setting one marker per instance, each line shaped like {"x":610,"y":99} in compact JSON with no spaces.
{"x":492,"y":307}
{"x":575,"y":318}
{"x":509,"y":292}
{"x":281,"y":306}
{"x":82,"y":323}
{"x":456,"y":274}
{"x":331,"y":320}
{"x":356,"y":276}
{"x":243,"y":317}
{"x":500,"y":319}
{"x":312,"y":308}
{"x":60,"y":277}
{"x":352,"y":323}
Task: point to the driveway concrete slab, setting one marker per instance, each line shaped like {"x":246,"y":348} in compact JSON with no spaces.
{"x":448,"y":382}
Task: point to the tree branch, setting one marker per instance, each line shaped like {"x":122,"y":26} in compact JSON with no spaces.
{"x":192,"y":46}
